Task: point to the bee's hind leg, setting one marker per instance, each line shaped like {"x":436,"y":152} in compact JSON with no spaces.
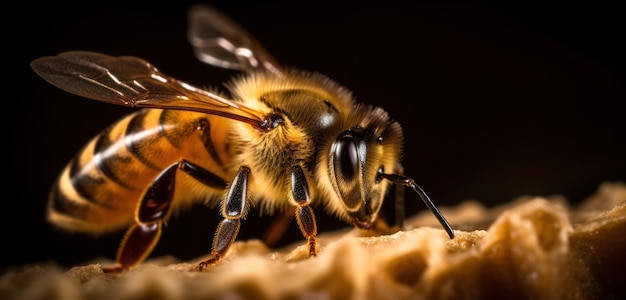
{"x":138,"y":242}
{"x":153,"y":207}
{"x":152,"y":210}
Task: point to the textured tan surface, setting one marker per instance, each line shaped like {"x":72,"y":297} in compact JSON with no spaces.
{"x":531,"y":248}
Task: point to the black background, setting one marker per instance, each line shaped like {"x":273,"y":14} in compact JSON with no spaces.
{"x":496,"y":101}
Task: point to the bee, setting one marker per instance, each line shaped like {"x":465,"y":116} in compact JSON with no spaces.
{"x":280,"y":140}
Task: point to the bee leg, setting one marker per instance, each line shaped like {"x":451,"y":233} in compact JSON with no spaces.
{"x":138,"y":242}
{"x":151,"y":212}
{"x":304,"y":213}
{"x":153,"y":207}
{"x":277,"y":229}
{"x":233,"y":210}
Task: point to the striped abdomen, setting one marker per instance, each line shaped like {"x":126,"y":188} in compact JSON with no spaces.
{"x":99,"y":189}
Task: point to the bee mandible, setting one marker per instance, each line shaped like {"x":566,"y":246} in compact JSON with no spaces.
{"x":280,"y":140}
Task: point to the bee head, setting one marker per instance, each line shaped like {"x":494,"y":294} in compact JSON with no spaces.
{"x":357,"y":158}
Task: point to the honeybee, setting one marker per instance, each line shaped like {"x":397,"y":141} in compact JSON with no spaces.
{"x":280,"y":140}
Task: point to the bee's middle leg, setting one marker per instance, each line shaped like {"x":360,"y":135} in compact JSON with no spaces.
{"x":233,"y":210}
{"x":152,"y":210}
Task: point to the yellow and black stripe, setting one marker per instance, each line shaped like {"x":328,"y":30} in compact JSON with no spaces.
{"x":99,"y":189}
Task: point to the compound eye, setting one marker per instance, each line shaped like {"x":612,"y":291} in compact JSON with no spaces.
{"x":346,"y":160}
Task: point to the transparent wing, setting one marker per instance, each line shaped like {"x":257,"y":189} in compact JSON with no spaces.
{"x":133,"y":82}
{"x":218,"y":40}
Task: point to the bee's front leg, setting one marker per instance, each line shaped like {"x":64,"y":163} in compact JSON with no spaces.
{"x":233,"y":210}
{"x":304,"y":213}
